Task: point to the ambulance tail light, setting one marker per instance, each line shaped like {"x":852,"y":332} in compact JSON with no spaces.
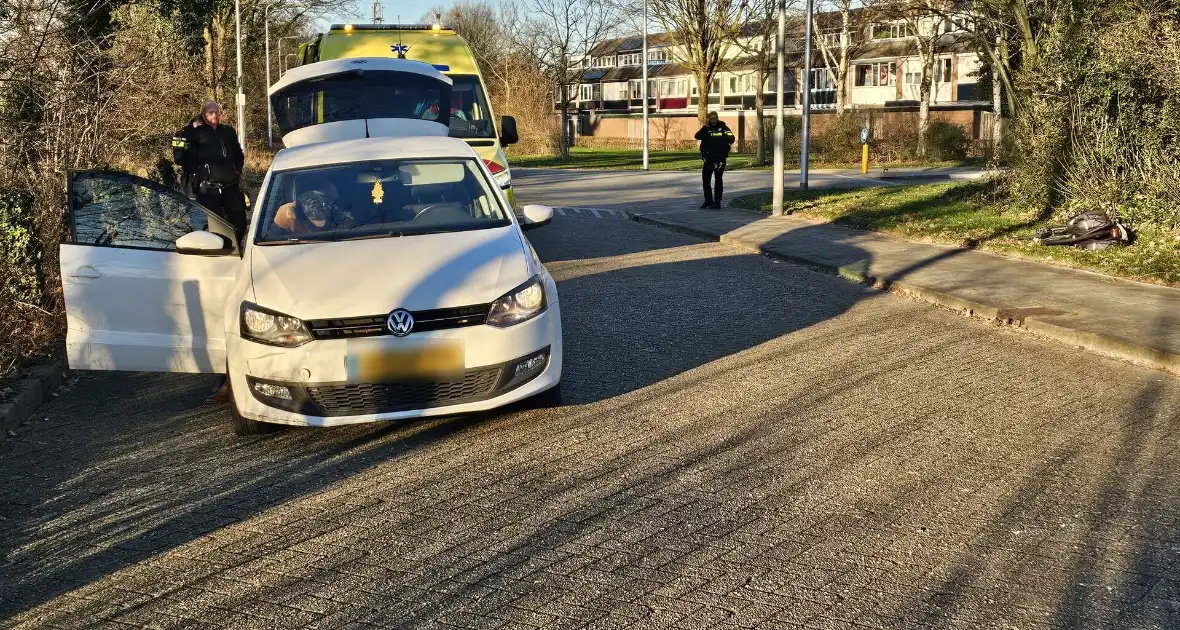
{"x":500,"y":173}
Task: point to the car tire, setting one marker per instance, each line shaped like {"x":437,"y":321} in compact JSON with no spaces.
{"x":245,"y":426}
{"x":547,"y":399}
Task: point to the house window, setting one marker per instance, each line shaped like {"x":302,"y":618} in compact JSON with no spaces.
{"x":822,"y":79}
{"x":892,"y":31}
{"x":673,"y":87}
{"x":603,"y":62}
{"x":831,"y":40}
{"x":590,"y":92}
{"x":878,"y":74}
{"x":715,"y":86}
{"x":943,"y":71}
{"x":637,"y":89}
{"x":630,"y":59}
{"x":657,"y":56}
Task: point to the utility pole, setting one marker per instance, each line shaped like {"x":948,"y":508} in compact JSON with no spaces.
{"x":241,"y":95}
{"x":806,"y":127}
{"x":644,"y":90}
{"x":779,"y":131}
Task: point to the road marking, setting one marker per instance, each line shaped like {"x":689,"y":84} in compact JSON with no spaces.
{"x":597,"y":213}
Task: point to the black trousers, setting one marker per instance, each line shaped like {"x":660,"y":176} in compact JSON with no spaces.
{"x":713,"y":169}
{"x":227,"y":202}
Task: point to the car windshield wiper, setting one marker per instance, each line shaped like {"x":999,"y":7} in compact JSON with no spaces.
{"x":296,"y":240}
{"x":365,"y":237}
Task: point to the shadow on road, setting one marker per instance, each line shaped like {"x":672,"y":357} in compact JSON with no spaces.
{"x":884,"y":465}
{"x":637,"y":310}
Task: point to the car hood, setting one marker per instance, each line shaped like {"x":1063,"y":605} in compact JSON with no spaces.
{"x":375,"y":276}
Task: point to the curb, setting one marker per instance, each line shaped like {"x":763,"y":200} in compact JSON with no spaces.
{"x":1097,"y":343}
{"x":31,"y":391}
{"x":933,"y":177}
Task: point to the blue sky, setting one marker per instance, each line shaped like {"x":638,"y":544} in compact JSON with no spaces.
{"x":363,"y":9}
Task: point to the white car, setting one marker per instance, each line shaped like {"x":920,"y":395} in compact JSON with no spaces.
{"x":381,"y":278}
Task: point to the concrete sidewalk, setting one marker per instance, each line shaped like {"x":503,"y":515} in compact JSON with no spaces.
{"x":1119,"y":318}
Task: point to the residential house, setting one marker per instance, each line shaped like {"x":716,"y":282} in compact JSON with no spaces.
{"x":884,"y":73}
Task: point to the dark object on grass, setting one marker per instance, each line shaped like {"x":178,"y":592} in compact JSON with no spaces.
{"x":1089,"y":230}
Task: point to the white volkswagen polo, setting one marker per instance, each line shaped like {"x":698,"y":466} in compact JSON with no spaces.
{"x":382,"y":278}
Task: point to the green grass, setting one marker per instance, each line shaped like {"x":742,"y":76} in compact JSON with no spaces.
{"x":632,"y":159}
{"x":963,"y":215}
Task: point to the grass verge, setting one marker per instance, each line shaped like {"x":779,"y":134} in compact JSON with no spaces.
{"x":632,"y":159}
{"x":964,"y":215}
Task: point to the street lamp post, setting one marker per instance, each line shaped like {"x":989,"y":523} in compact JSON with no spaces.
{"x":776,"y":207}
{"x":644,"y":90}
{"x":241,"y":95}
{"x":804,"y":131}
{"x":270,"y":135}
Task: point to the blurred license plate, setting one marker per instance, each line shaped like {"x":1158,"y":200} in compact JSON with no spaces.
{"x":435,"y":361}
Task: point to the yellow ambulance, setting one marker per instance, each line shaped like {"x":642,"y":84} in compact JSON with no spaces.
{"x":471,"y":112}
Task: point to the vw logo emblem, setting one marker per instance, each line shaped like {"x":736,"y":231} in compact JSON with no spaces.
{"x":400,"y":322}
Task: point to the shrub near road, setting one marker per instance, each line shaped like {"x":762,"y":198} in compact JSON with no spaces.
{"x":969,"y":215}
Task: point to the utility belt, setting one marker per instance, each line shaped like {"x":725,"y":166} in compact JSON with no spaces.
{"x":206,"y":186}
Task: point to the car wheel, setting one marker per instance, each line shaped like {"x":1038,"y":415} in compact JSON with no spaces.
{"x":243,"y":425}
{"x":547,"y":399}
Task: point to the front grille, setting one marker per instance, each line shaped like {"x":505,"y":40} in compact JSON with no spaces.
{"x":424,"y":321}
{"x":349,"y":400}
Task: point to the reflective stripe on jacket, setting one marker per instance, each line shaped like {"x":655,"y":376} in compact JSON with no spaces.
{"x":715,"y":141}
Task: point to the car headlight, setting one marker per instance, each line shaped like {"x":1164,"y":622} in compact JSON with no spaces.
{"x":520,"y":304}
{"x":271,"y":328}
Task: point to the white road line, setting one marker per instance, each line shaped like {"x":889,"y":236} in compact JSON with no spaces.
{"x":596,"y":215}
{"x":560,"y":211}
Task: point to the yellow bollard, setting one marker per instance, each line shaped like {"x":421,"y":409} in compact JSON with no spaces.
{"x":864,"y":159}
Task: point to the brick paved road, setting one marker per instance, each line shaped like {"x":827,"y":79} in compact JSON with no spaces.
{"x":748,"y":444}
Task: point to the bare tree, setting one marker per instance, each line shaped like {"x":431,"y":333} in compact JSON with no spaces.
{"x":704,"y":30}
{"x":922,"y":21}
{"x":838,"y":56}
{"x":511,"y":75}
{"x":557,"y":34}
{"x":758,"y":41}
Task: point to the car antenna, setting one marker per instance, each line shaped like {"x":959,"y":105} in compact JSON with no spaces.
{"x":401,"y":49}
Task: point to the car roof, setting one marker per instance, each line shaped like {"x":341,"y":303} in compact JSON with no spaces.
{"x":324,"y":153}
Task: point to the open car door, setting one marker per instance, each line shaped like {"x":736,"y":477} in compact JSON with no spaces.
{"x":135,"y":300}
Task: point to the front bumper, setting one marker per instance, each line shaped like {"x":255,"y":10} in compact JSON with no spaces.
{"x":321,"y":395}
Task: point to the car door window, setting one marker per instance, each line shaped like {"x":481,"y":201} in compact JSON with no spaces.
{"x":121,"y":210}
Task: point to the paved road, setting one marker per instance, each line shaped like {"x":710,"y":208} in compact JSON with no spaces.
{"x":747,"y":445}
{"x":637,"y":191}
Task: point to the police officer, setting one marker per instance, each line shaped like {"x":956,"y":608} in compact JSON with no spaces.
{"x":715,"y":140}
{"x":210,"y":161}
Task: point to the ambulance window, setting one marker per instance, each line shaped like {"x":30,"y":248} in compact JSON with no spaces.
{"x":469,"y":109}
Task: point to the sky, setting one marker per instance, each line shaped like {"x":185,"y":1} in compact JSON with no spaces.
{"x":363,"y":10}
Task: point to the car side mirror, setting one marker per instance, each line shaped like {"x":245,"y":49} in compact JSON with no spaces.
{"x":508,"y":133}
{"x":536,"y":216}
{"x":203,"y":244}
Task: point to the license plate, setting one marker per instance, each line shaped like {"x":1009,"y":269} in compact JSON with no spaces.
{"x":434,"y":361}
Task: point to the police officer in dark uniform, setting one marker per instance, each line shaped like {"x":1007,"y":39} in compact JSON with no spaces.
{"x":716,"y":139}
{"x":210,"y":161}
